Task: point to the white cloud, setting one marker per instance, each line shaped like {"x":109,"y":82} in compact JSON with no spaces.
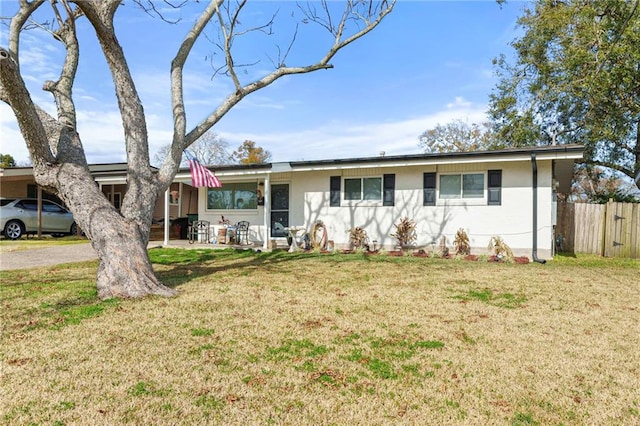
{"x":102,"y":135}
{"x":340,"y":139}
{"x":459,"y":103}
{"x":11,"y":140}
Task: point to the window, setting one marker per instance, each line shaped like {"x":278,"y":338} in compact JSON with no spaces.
{"x":334,"y":188}
{"x":49,"y":207}
{"x":494,"y":187}
{"x":374,"y":189}
{"x":429,"y":189}
{"x":233,"y":196}
{"x":32,"y":192}
{"x":115,"y":198}
{"x":469,"y":185}
{"x":366,"y":189}
{"x":29,"y":205}
{"x":389,"y":193}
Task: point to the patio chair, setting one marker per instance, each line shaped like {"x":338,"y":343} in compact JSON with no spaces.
{"x":242,"y":232}
{"x":199,"y":231}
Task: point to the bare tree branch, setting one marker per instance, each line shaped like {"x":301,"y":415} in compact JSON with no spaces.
{"x":228,"y":34}
{"x":179,"y":142}
{"x":62,"y":88}
{"x":14,"y":92}
{"x":149,"y":7}
{"x":370,"y":22}
{"x":17,"y":22}
{"x":100,"y":15}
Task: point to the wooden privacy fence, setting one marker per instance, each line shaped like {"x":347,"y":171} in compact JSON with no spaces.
{"x":611,"y":229}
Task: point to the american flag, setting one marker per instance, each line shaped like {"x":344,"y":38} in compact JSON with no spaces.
{"x":201,"y":176}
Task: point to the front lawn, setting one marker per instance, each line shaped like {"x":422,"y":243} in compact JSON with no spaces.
{"x":279,"y":338}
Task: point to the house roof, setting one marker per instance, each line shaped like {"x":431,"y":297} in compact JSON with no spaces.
{"x":511,"y":154}
{"x":565,"y":155}
{"x":560,"y":152}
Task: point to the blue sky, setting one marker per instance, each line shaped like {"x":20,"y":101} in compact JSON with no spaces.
{"x":428,"y":63}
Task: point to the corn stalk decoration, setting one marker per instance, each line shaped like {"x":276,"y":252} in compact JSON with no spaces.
{"x":499,"y":248}
{"x":405,"y":232}
{"x":358,"y":238}
{"x":461,"y":243}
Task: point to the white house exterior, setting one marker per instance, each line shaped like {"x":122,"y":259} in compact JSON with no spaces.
{"x":507,"y":193}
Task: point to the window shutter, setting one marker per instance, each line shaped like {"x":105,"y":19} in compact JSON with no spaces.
{"x":388,"y":190}
{"x":334,"y":194}
{"x":429,"y":189}
{"x":494,"y":187}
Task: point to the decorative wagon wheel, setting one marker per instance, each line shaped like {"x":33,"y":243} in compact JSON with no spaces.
{"x":319,"y":235}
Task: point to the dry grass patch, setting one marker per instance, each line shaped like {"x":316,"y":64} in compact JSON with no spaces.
{"x":262,"y":338}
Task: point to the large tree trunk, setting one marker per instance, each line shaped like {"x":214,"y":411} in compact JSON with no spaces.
{"x":120,"y":240}
{"x":120,"y":237}
{"x":125,"y":269}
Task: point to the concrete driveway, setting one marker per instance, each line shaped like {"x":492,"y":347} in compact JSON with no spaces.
{"x":33,"y":257}
{"x":24,"y":258}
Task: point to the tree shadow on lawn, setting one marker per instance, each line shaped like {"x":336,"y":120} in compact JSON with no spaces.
{"x":189,"y":264}
{"x":66,"y":294}
{"x":185,"y":265}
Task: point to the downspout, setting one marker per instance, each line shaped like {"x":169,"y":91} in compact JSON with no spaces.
{"x":534,"y":253}
{"x":267,"y":211}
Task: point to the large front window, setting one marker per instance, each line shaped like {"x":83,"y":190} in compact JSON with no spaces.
{"x":367,"y":189}
{"x":469,"y":185}
{"x":233,"y":196}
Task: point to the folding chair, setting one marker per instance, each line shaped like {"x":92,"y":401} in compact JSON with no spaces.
{"x":242,"y":232}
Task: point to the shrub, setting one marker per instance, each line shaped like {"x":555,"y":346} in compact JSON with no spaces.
{"x":358,"y":238}
{"x":461,"y":243}
{"x":405,"y":232}
{"x":499,"y":248}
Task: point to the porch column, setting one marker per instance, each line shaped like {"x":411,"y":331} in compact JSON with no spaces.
{"x":267,"y":211}
{"x":166,"y":217}
{"x":39,"y":205}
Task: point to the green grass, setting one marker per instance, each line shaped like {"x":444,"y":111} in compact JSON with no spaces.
{"x":279,"y":338}
{"x":201,"y":331}
{"x":502,"y":300}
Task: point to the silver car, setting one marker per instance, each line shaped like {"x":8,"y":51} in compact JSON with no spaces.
{"x":19,"y":216}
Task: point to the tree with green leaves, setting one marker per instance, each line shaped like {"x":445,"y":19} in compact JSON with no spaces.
{"x":120,"y":236}
{"x":250,"y":153}
{"x":458,"y":136}
{"x":576,"y":79}
{"x":7,"y":161}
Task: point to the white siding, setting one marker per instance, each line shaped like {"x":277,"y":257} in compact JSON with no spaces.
{"x":513,"y":220}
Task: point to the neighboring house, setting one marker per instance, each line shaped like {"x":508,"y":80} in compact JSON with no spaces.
{"x":491,"y":193}
{"x":506,"y":193}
